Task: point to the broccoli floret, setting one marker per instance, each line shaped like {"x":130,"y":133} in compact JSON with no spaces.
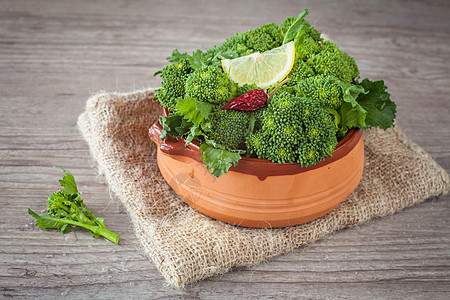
{"x":165,"y":101}
{"x":332,"y":61}
{"x":306,"y":47}
{"x":261,"y":39}
{"x":231,"y":44}
{"x":299,"y":72}
{"x":246,"y":88}
{"x":173,"y":83}
{"x":264,"y":38}
{"x":235,"y":45}
{"x":294,"y":129}
{"x":310,"y":31}
{"x":229,"y":128}
{"x":324,"y":90}
{"x":209,"y":84}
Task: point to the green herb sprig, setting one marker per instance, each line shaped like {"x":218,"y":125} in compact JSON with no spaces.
{"x":66,"y":210}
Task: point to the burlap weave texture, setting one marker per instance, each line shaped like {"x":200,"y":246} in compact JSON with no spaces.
{"x":187,"y":246}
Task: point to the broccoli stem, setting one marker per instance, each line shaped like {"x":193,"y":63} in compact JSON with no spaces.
{"x":95,"y":229}
{"x":46,"y":221}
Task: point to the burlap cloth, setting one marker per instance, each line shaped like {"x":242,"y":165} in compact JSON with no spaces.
{"x":187,"y":246}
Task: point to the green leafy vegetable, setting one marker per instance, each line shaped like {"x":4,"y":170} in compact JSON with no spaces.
{"x":193,"y":132}
{"x":351,"y":92}
{"x":293,"y":30}
{"x":195,"y":116}
{"x":366,"y":105}
{"x":194,"y":111}
{"x":376,"y":101}
{"x":68,"y":182}
{"x":351,"y":116}
{"x":66,"y":210}
{"x":177,"y":56}
{"x":323,"y":84}
{"x":218,"y":159}
{"x":174,"y":125}
{"x":198,"y":60}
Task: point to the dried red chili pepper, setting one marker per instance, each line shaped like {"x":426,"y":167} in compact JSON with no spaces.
{"x":250,"y":101}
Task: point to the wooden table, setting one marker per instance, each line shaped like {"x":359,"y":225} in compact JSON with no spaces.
{"x":55,"y":54}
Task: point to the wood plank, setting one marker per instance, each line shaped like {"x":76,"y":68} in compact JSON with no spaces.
{"x":55,"y":54}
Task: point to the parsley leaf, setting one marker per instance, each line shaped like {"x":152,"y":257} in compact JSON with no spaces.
{"x":188,"y":108}
{"x":219,"y":160}
{"x":198,"y":60}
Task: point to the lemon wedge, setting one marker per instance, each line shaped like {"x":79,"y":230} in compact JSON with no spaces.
{"x":263,"y":69}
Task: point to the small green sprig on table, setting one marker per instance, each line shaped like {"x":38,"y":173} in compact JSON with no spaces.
{"x":66,"y":210}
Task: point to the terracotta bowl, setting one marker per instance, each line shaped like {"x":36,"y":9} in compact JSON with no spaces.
{"x":257,"y":192}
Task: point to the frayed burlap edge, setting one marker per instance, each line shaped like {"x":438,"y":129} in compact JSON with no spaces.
{"x":187,"y":246}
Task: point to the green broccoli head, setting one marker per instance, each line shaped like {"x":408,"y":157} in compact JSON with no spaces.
{"x":164,"y":100}
{"x":332,"y":61}
{"x":264,"y":38}
{"x":300,"y":71}
{"x":319,"y":139}
{"x":236,"y":43}
{"x":229,"y":128}
{"x":261,"y":39}
{"x":306,"y":47}
{"x":324,"y":90}
{"x":293,"y":129}
{"x":209,"y":84}
{"x":59,"y":204}
{"x":173,"y":83}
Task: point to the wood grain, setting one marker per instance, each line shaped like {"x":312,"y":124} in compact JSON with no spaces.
{"x":55,"y":54}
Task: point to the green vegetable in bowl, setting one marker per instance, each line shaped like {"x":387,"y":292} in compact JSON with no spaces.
{"x":174,"y":80}
{"x":293,"y":129}
{"x":209,"y":84}
{"x":320,"y":102}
